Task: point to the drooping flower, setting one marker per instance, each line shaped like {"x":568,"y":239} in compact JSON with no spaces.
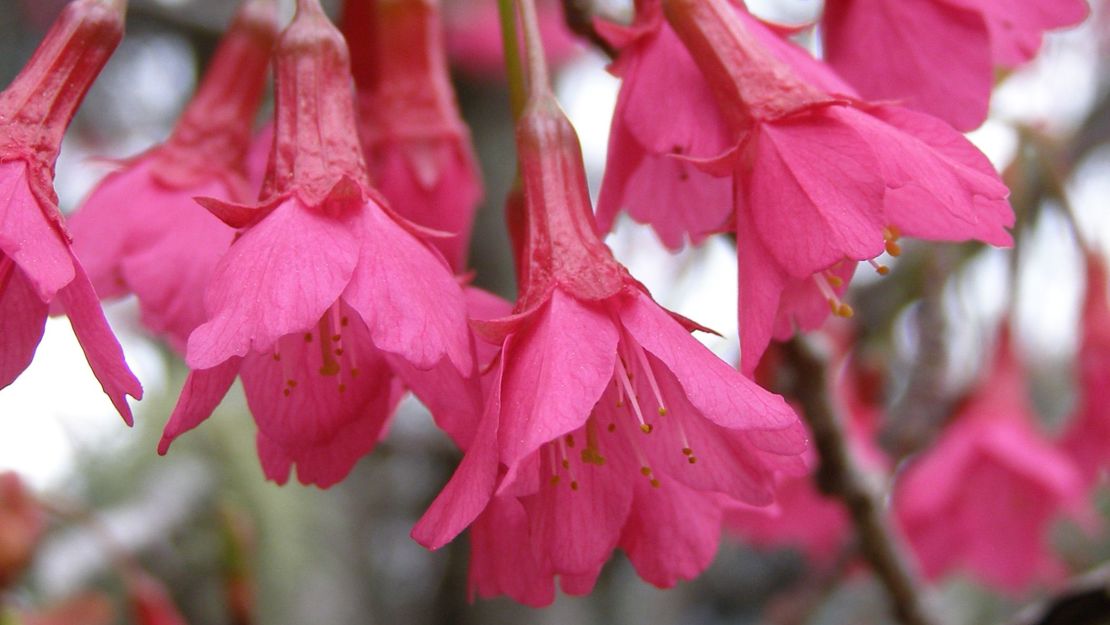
{"x":614,"y":426}
{"x":808,"y":177}
{"x":982,"y":498}
{"x":140,"y":230}
{"x":325,"y":294}
{"x":37,"y":265}
{"x":417,"y":146}
{"x":938,"y":56}
{"x":1087,"y":439}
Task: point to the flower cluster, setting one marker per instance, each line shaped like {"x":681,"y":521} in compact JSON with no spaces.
{"x":321,"y":259}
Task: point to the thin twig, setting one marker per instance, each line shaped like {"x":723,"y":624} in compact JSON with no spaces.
{"x":839,"y":476}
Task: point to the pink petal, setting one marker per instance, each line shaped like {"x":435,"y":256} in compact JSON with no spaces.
{"x":664,"y":77}
{"x":930,"y":55}
{"x":323,"y":414}
{"x":556,"y":369}
{"x":203,"y":391}
{"x":22,"y":321}
{"x":815,"y":191}
{"x":470,"y":488}
{"x":27,"y":236}
{"x":454,"y":400}
{"x":1016,"y":28}
{"x":501,"y":558}
{"x":99,"y":343}
{"x":443,"y":199}
{"x":576,"y":521}
{"x":672,"y":532}
{"x":942,"y":187}
{"x":278,"y":278}
{"x":716,"y":390}
{"x":761,"y":283}
{"x":407,"y":296}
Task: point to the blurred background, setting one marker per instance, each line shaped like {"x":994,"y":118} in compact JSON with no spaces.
{"x":205,"y":521}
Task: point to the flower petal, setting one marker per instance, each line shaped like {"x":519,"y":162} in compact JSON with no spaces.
{"x":278,"y":278}
{"x":22,"y":321}
{"x":203,"y":390}
{"x":99,"y":343}
{"x":27,"y":236}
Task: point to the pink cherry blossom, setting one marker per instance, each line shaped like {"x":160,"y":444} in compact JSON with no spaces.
{"x":938,"y":56}
{"x":417,"y":146}
{"x":37,"y":265}
{"x":140,"y":230}
{"x":614,"y":426}
{"x":1087,"y":439}
{"x":982,"y":498}
{"x":324,"y":290}
{"x":814,"y":179}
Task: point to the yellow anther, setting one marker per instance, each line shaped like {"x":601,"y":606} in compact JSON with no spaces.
{"x":646,"y":428}
{"x":574,"y":485}
{"x":612,"y":427}
{"x":654,"y":483}
{"x":835,"y":281}
{"x":686,"y":451}
{"x":554,"y":480}
{"x":285,"y":392}
{"x":662,"y":411}
{"x":570,"y":440}
{"x":692,"y":460}
{"x":277,"y":356}
{"x":893,"y":248}
{"x":344,"y":321}
{"x":645,"y":471}
{"x":335,"y":338}
{"x":844,"y":310}
{"x":354,"y":373}
{"x":329,"y":368}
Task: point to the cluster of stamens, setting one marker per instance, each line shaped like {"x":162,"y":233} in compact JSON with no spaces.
{"x":827,"y":281}
{"x":630,"y":403}
{"x":334,"y":355}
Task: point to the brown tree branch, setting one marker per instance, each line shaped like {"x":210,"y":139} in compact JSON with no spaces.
{"x":840,"y":477}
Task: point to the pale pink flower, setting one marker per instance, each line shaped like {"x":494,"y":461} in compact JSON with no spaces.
{"x":140,"y":231}
{"x":326,"y":293}
{"x":417,"y":146}
{"x":981,"y":499}
{"x":37,"y":265}
{"x":1087,"y":439}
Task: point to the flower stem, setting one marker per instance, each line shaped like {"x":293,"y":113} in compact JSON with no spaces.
{"x":513,"y":69}
{"x":838,"y":475}
{"x":539,"y":84}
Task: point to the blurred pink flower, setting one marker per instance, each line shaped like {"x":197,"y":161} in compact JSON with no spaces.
{"x":140,"y":230}
{"x":473,"y":36}
{"x":150,"y":602}
{"x":37,"y":265}
{"x":1087,"y":439}
{"x":981,"y":499}
{"x":614,"y":425}
{"x":417,"y":146}
{"x":764,"y":141}
{"x":22,"y":523}
{"x":324,"y":289}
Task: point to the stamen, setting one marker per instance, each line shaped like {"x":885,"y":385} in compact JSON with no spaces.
{"x":836,"y":305}
{"x":882,"y":270}
{"x":646,"y":366}
{"x":622,"y":375}
{"x":891,"y":236}
{"x":330,"y":365}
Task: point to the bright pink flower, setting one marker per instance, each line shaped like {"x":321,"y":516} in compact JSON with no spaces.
{"x":938,"y":56}
{"x":140,"y":230}
{"x":813,"y":178}
{"x":615,"y":427}
{"x":416,"y":144}
{"x":325,"y":294}
{"x":982,"y":498}
{"x":1087,"y":439}
{"x":37,"y":265}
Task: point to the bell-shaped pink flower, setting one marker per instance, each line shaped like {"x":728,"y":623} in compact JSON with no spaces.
{"x":37,"y":265}
{"x":1087,"y":439}
{"x":938,"y":56}
{"x":981,"y":499}
{"x":325,"y":294}
{"x":140,"y":231}
{"x":614,"y":426}
{"x":808,"y":177}
{"x":417,"y":146}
